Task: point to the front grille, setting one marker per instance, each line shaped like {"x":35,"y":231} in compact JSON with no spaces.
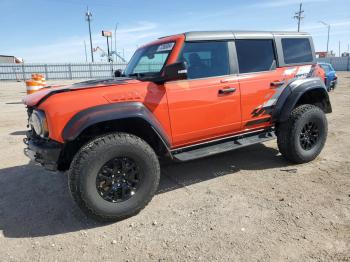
{"x":29,"y":113}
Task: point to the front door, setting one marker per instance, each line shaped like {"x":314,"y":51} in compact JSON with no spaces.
{"x":207,"y":104}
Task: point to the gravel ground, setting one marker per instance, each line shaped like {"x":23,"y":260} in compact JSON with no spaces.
{"x":246,"y":205}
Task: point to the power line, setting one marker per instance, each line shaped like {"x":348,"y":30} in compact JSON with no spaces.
{"x":299,"y":16}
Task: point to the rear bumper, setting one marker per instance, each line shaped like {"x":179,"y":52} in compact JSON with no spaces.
{"x":43,"y":152}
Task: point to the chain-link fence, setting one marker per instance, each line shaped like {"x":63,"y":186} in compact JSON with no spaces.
{"x":339,"y":63}
{"x":103,"y":70}
{"x":59,"y":71}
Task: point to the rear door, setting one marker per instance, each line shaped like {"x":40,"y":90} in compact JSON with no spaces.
{"x":207,"y":104}
{"x":259,"y":80}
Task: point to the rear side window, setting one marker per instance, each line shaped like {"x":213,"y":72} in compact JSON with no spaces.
{"x":205,"y":59}
{"x":255,"y":55}
{"x":296,"y":50}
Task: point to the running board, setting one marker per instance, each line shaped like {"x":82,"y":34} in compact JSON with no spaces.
{"x":222,"y":146}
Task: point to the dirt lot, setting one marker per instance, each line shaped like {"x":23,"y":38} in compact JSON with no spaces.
{"x":246,"y":205}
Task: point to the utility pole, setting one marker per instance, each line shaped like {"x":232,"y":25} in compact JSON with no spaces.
{"x":108,"y":34}
{"x":299,"y":15}
{"x":329,"y":29}
{"x":88,"y":16}
{"x":115,"y":42}
{"x":85,"y":51}
{"x":108,"y":54}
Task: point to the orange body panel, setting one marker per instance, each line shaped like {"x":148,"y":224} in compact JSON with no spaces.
{"x":189,"y":111}
{"x":61,"y":107}
{"x":198,"y":112}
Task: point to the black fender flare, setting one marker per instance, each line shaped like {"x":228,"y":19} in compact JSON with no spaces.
{"x":293,"y":92}
{"x":109,"y":112}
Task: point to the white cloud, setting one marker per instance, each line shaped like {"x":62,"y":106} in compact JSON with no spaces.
{"x":317,"y":26}
{"x":279,"y":3}
{"x":72,"y":49}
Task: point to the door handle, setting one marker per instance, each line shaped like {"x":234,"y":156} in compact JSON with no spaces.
{"x":227,"y":90}
{"x":276,"y":84}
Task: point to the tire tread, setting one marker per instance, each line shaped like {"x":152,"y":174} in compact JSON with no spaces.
{"x":92,"y":148}
{"x":284,"y":137}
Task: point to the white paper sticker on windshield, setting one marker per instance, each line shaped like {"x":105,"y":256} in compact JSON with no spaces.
{"x":165,"y":47}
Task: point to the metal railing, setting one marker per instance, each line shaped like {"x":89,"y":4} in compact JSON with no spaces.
{"x":59,"y":70}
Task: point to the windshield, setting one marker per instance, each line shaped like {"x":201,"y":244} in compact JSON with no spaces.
{"x":149,"y":60}
{"x":326,"y":67}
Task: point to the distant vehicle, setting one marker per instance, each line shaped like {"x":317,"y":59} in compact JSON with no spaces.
{"x":331,"y":76}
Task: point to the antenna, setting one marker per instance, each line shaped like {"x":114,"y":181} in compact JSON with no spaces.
{"x":299,"y":16}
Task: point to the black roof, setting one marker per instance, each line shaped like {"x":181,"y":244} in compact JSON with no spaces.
{"x":222,"y":35}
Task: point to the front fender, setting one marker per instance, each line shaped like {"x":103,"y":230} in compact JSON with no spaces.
{"x":108,"y":112}
{"x":294,"y":92}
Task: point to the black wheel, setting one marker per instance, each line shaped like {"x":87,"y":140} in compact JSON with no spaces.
{"x":302,"y":137}
{"x":114,"y":176}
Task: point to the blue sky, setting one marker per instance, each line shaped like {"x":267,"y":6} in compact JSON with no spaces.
{"x":55,"y":30}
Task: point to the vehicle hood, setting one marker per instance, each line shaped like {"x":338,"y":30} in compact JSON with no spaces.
{"x":38,"y":97}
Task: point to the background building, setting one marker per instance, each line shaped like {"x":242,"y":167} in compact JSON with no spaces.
{"x":8,"y":59}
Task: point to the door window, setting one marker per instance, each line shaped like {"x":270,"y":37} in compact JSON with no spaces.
{"x":255,"y":55}
{"x":205,"y":59}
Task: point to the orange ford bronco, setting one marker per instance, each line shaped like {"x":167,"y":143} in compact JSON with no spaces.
{"x":180,"y":97}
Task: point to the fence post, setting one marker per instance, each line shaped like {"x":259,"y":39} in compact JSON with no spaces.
{"x":23,"y":73}
{"x":90,"y":70}
{"x":70,"y":71}
{"x":46,"y":73}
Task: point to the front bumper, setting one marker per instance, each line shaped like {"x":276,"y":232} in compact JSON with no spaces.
{"x":44,"y":152}
{"x":334,"y":83}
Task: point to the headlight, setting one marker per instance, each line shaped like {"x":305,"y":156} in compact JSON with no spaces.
{"x":38,"y":122}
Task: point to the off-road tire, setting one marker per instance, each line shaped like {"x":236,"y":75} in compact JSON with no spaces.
{"x":288,"y":134}
{"x":87,"y":163}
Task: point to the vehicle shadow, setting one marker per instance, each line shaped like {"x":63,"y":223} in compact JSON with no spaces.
{"x":256,"y":157}
{"x":18,"y":133}
{"x":34,"y":202}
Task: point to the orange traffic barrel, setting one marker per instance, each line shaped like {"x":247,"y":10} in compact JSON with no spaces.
{"x":40,"y":78}
{"x":33,"y":86}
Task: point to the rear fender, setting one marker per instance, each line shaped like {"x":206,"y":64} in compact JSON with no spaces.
{"x":301,"y":91}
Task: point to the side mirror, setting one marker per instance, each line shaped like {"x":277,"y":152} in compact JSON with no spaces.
{"x":118,"y":73}
{"x":176,"y":71}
